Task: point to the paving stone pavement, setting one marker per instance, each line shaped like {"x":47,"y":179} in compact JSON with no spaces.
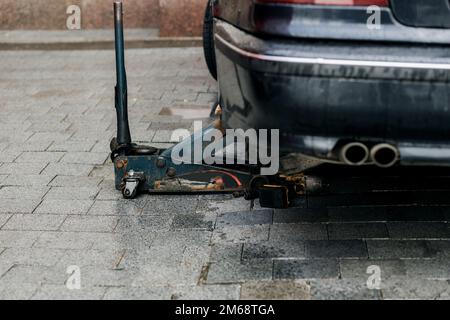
{"x":58,"y":206}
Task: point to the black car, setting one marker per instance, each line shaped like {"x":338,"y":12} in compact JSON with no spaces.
{"x":351,"y":81}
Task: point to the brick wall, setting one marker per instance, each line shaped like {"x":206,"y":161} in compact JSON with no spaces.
{"x":181,"y":17}
{"x":173,"y":17}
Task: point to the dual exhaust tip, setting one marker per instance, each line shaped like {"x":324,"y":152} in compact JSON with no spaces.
{"x":356,"y":154}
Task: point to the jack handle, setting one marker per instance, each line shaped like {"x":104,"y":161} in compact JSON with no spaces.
{"x":121,"y":94}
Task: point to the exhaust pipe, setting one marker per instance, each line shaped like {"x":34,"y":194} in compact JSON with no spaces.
{"x":354,"y":154}
{"x":385,"y":155}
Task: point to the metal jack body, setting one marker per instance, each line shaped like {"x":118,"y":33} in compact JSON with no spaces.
{"x":140,"y":169}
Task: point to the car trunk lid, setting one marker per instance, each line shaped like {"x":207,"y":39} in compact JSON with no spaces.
{"x":422,"y":13}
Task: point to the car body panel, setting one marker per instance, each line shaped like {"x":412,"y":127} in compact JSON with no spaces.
{"x":322,"y":93}
{"x":317,"y":21}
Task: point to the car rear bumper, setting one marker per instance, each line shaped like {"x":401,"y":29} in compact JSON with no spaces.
{"x":291,"y":20}
{"x":320,"y":93}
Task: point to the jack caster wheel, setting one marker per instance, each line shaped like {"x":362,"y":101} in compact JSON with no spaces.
{"x":130,"y":189}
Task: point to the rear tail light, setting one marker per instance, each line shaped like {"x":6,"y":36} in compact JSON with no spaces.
{"x":381,"y":3}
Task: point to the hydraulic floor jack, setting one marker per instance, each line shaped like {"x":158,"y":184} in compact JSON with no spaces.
{"x":142,"y":169}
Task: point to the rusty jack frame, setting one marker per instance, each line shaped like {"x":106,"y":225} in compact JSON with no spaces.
{"x":142,"y":169}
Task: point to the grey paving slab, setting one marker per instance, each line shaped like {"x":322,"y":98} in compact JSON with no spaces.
{"x":255,"y":217}
{"x":105,"y":172}
{"x":76,"y":182}
{"x":238,"y":234}
{"x":358,"y":269}
{"x":17,"y":292}
{"x":206,"y":98}
{"x":182,"y":124}
{"x":2,"y":178}
{"x":357,"y":214}
{"x":32,"y":256}
{"x":417,"y":214}
{"x":144,"y":223}
{"x":236,"y":272}
{"x":186,"y":97}
{"x":226,"y":251}
{"x":299,"y":215}
{"x":88,"y":134}
{"x":184,"y":237}
{"x":342,"y":289}
{"x":174,"y":247}
{"x":108,"y":190}
{"x":196,"y":256}
{"x":428,"y":269}
{"x":394,"y":249}
{"x":68,"y":169}
{"x":440,"y":248}
{"x":49,"y":137}
{"x":61,"y":292}
{"x":136,"y":293}
{"x":418,"y":230}
{"x":54,"y":117}
{"x":9,"y":155}
{"x":274,"y":249}
{"x":34,"y":275}
{"x":275,"y":290}
{"x":64,"y":207}
{"x":72,"y":193}
{"x":114,"y":208}
{"x":207,"y":292}
{"x":27,"y":180}
{"x":18,"y":239}
{"x":306,"y":269}
{"x":49,"y":126}
{"x":106,"y":258}
{"x":20,"y":136}
{"x":64,"y":240}
{"x":336,"y":249}
{"x":406,"y":288}
{"x":23,"y":168}
{"x":348,"y":231}
{"x":34,"y":222}
{"x":164,"y":136}
{"x":39,"y":157}
{"x":193,"y":221}
{"x":147,"y":277}
{"x":19,"y":205}
{"x":157,"y":205}
{"x":27,"y":193}
{"x":4,"y":217}
{"x":5,"y":266}
{"x":225,"y":206}
{"x":3,"y":145}
{"x":447,"y":214}
{"x":120,"y":241}
{"x":72,"y":146}
{"x":169,"y":255}
{"x":35,"y":146}
{"x":90,"y":223}
{"x":96,"y":158}
{"x":99,"y":147}
{"x":82,"y":121}
{"x":279,"y":232}
{"x":143,"y":136}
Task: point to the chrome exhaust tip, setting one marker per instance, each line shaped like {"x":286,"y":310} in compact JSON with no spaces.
{"x":354,"y":154}
{"x":384,"y":155}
